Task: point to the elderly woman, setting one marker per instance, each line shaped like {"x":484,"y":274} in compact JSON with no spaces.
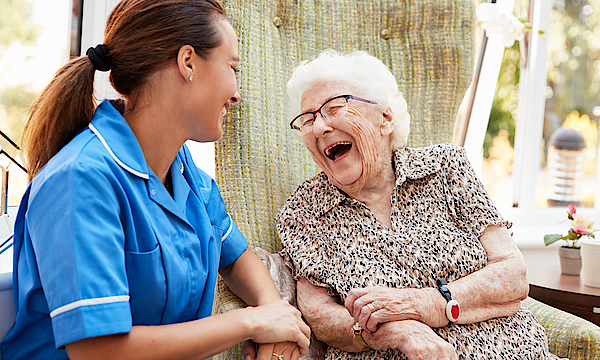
{"x":398,"y":252}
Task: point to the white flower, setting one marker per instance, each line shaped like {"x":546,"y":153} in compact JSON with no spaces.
{"x":582,"y":224}
{"x":495,"y":20}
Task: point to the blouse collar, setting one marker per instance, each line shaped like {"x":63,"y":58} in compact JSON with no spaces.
{"x":411,"y":163}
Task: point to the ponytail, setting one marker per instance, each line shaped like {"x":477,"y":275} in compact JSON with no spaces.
{"x":141,"y":38}
{"x":64,"y":108}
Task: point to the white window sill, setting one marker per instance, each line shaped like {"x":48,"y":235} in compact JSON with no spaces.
{"x":530,"y":226}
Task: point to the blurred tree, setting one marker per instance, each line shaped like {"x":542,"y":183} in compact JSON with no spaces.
{"x":14,"y":107}
{"x":573,"y":57}
{"x":16,"y":25}
{"x":504,"y":107}
{"x":16,"y":22}
{"x":573,"y":69}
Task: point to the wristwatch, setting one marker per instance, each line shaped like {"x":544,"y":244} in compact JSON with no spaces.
{"x":452,"y":307}
{"x":358,"y":334}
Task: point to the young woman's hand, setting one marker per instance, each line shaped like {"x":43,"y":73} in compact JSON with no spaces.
{"x":279,"y":322}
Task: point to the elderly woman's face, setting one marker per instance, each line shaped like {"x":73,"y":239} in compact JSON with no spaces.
{"x":347,"y":148}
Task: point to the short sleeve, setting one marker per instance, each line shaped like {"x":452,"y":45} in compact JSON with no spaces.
{"x":73,"y":222}
{"x":300,"y":251}
{"x":233,"y":243}
{"x":469,"y":202}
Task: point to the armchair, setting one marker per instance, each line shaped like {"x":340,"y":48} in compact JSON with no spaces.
{"x":428,"y":44}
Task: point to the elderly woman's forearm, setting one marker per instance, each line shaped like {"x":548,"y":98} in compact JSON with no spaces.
{"x":335,"y":329}
{"x":493,"y":291}
{"x":497,"y":289}
{"x":330,"y":322}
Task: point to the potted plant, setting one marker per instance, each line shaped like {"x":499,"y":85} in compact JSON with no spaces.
{"x":570,"y":257}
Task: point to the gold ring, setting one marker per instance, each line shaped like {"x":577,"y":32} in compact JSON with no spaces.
{"x":280,"y":357}
{"x":371,"y":308}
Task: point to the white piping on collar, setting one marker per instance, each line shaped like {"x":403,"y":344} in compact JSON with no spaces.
{"x":118,"y":161}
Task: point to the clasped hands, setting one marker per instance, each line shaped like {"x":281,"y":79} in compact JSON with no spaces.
{"x":401,"y":319}
{"x":277,"y":321}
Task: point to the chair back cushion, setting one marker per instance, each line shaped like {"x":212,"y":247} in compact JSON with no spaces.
{"x":427,"y":44}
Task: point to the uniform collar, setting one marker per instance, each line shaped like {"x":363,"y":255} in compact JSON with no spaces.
{"x":408,"y":162}
{"x":119,"y":140}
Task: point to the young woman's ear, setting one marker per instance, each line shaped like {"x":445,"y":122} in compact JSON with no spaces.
{"x":185,"y":64}
{"x":387,"y":122}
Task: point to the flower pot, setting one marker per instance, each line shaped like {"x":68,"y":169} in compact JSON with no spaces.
{"x":570,"y":261}
{"x":590,"y":255}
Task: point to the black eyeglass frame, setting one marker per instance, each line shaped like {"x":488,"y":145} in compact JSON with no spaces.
{"x":318,"y":111}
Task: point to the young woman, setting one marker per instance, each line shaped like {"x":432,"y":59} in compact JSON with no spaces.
{"x":119,"y":236}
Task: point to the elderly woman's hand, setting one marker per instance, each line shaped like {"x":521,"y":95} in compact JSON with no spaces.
{"x":377,"y":305}
{"x":414,"y":339}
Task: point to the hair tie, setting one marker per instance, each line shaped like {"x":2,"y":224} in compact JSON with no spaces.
{"x":99,"y":57}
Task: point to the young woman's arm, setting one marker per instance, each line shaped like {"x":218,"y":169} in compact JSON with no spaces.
{"x":272,"y":321}
{"x":249,"y":279}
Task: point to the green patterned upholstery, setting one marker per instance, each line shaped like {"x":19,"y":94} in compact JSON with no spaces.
{"x":260,"y":161}
{"x":568,"y":335}
{"x":428,"y":45}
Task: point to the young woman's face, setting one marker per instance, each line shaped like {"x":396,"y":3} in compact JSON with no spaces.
{"x":215,"y":86}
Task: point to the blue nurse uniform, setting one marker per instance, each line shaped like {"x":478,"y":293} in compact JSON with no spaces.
{"x":100,"y":244}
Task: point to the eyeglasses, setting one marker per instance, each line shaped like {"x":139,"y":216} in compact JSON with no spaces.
{"x":333,"y":108}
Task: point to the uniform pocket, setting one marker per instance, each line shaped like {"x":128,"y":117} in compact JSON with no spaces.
{"x":147,"y":286}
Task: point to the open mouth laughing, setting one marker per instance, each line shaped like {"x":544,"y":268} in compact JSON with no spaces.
{"x":338,"y":150}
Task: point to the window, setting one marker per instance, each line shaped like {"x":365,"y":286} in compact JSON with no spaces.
{"x":34,"y":44}
{"x":537,"y":99}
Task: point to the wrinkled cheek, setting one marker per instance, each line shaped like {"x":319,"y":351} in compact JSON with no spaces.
{"x":364,"y":139}
{"x":317,"y":158}
{"x":314,"y":153}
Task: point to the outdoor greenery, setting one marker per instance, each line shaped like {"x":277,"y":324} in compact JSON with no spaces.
{"x":16,"y":25}
{"x":573,"y":72}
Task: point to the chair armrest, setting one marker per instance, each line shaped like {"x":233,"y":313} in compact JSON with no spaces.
{"x":568,"y":335}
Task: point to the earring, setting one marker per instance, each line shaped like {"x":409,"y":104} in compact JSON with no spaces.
{"x":191,"y":78}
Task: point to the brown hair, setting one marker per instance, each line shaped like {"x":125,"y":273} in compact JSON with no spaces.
{"x":142,"y":37}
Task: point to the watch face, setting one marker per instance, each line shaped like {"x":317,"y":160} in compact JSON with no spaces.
{"x":453,"y":310}
{"x":356,"y":327}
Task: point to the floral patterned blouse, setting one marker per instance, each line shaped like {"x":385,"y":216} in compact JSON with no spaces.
{"x":439,"y":210}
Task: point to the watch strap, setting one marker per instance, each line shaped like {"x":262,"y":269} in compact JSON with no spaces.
{"x":441,"y":286}
{"x":452,"y":306}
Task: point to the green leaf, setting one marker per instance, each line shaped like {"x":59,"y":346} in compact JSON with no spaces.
{"x":522,"y":19}
{"x":552,"y":238}
{"x":573,"y":235}
{"x":541,"y":32}
{"x":528,"y":25}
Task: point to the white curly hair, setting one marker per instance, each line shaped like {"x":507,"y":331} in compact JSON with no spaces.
{"x":363,"y":73}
